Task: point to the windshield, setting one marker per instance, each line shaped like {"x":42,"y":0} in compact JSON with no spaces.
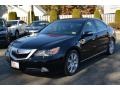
{"x":69,"y":27}
{"x":12,"y":22}
{"x":39,"y":23}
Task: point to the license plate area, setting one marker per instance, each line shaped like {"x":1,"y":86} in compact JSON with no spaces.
{"x":15,"y":64}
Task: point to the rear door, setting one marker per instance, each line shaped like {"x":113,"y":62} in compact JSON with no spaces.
{"x":88,"y":43}
{"x":101,"y":35}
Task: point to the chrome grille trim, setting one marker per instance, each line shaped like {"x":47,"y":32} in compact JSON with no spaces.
{"x":21,"y":51}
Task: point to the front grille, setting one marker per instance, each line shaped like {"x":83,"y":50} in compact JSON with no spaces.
{"x":19,"y":55}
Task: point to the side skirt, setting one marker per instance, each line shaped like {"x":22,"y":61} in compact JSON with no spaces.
{"x":93,"y":55}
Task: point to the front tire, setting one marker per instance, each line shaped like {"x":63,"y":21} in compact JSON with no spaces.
{"x":111,"y":47}
{"x":71,"y":63}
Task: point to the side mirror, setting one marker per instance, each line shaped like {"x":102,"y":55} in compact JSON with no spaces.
{"x":88,"y":33}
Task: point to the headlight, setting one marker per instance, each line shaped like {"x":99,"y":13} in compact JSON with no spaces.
{"x":47,"y":52}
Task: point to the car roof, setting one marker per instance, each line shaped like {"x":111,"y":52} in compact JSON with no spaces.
{"x":78,"y":19}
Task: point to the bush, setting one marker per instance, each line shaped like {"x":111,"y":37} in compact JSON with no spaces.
{"x":97,"y":14}
{"x":76,"y":13}
{"x":12,"y":16}
{"x":115,"y":25}
{"x":117,"y":17}
{"x":32,"y":15}
{"x":53,"y":15}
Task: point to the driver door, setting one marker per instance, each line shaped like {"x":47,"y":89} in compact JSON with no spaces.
{"x":88,"y":40}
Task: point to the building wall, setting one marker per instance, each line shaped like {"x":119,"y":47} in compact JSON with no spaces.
{"x":111,"y":8}
{"x":22,"y":11}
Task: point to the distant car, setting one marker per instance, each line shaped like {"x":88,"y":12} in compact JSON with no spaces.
{"x":16,"y":27}
{"x":62,"y":45}
{"x":36,"y":26}
{"x":4,"y":33}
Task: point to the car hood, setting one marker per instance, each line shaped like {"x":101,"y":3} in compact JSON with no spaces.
{"x":40,"y":41}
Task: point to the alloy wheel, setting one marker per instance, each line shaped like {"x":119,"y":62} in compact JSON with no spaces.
{"x":72,"y":62}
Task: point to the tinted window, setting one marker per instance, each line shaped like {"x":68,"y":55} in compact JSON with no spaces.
{"x":1,"y":22}
{"x":12,"y":22}
{"x":69,"y":27}
{"x":100,"y":25}
{"x":89,"y":26}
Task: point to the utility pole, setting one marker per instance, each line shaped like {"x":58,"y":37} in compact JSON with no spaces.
{"x":30,"y":13}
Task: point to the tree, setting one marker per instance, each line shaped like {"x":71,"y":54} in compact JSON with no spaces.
{"x":97,"y":14}
{"x":67,"y":9}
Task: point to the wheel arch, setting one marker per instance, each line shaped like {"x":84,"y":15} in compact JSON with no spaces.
{"x":73,"y":48}
{"x":113,"y":38}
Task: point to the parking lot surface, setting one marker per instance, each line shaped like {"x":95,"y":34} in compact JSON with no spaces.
{"x":101,"y":70}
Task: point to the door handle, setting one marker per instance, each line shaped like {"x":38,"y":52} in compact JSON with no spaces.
{"x":82,"y":41}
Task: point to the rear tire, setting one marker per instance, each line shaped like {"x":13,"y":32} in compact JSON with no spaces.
{"x":71,"y":63}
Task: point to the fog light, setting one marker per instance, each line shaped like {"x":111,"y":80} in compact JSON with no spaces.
{"x":43,"y":69}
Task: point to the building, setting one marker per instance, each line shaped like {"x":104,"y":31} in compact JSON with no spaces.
{"x":22,"y":10}
{"x":111,"y":8}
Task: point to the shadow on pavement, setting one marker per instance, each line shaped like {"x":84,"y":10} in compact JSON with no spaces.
{"x":60,"y":74}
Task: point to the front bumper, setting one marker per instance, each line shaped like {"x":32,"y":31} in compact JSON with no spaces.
{"x":56,"y":64}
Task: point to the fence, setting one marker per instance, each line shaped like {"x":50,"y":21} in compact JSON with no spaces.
{"x":107,"y":18}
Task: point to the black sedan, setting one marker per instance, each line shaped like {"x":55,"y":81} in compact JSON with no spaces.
{"x":35,"y":27}
{"x":62,"y":45}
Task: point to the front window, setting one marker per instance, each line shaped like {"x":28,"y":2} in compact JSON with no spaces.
{"x":12,"y":22}
{"x":89,"y":26}
{"x":100,"y":26}
{"x":67,"y":27}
